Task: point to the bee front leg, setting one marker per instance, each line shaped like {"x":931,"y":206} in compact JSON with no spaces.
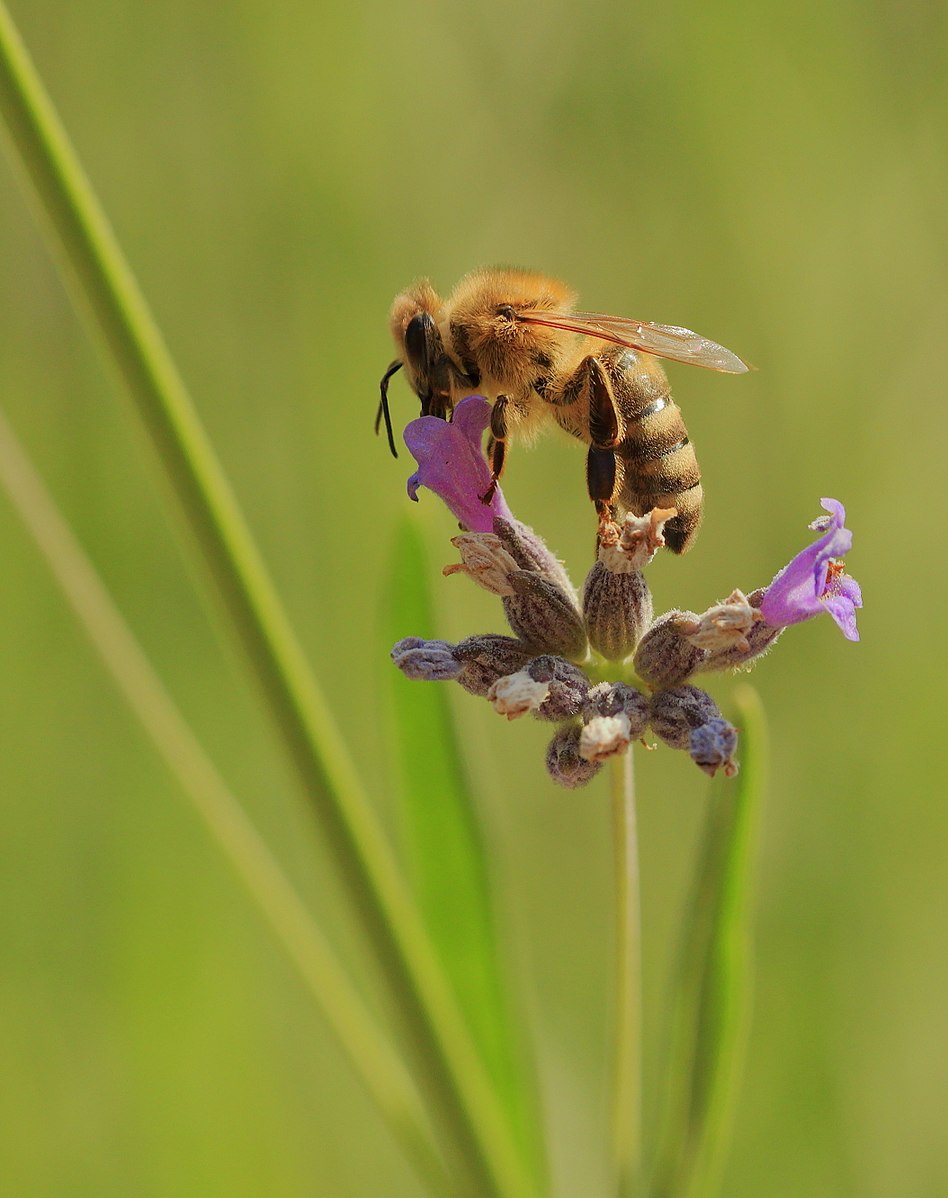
{"x":383,"y":406}
{"x":496,"y":445}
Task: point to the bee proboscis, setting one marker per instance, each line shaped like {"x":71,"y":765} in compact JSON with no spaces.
{"x":516,"y":337}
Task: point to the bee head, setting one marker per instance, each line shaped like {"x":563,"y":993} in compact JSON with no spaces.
{"x":414,"y":326}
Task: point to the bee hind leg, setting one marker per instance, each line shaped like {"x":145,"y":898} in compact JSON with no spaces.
{"x":605,"y":433}
{"x":496,"y":445}
{"x":601,"y":471}
{"x":605,"y":426}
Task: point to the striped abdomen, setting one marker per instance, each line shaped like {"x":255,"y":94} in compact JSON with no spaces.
{"x":657,"y":466}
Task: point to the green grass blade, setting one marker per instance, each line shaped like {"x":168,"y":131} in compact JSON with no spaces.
{"x":444,"y":849}
{"x":711,"y":1005}
{"x":473,"y":1127}
{"x":381,"y":1070}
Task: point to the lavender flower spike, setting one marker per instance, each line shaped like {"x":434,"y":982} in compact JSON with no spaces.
{"x":452,"y":464}
{"x":814,"y":581}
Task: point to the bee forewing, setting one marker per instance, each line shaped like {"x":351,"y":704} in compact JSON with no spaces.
{"x":662,"y":340}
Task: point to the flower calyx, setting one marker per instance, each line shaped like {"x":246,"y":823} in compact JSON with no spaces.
{"x":633,"y":545}
{"x":725,"y":625}
{"x":516,"y":694}
{"x":484,"y":560}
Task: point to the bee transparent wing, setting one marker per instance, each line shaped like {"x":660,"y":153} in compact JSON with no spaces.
{"x":662,"y":340}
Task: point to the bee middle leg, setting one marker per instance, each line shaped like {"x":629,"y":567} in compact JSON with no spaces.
{"x":496,"y":445}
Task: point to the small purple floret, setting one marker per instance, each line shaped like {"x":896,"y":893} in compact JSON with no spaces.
{"x":712,"y":747}
{"x":452,"y":464}
{"x":814,"y":581}
{"x":426,"y":661}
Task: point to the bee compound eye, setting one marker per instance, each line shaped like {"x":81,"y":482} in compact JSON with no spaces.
{"x":421,"y":337}
{"x":506,"y":311}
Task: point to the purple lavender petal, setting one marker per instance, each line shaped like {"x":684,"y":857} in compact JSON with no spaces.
{"x":813,"y":581}
{"x":843,"y":612}
{"x":471,"y":417}
{"x":837,"y":539}
{"x":792,"y":596}
{"x":841,"y":598}
{"x":452,"y":464}
{"x":837,"y":513}
{"x":850,"y":588}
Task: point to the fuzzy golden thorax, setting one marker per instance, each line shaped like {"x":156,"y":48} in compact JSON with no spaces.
{"x":482,"y":325}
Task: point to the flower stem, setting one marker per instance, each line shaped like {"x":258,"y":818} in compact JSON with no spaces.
{"x":627,"y":1075}
{"x":462,"y":1101}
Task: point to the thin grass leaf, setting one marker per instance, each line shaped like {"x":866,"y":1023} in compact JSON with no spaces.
{"x":382,"y":1072}
{"x":444,"y":850}
{"x":461,"y":1100}
{"x":711,"y":1003}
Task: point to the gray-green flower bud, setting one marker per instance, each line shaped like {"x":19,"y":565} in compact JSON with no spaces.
{"x":567,"y":687}
{"x":615,"y":698}
{"x":617,"y":608}
{"x":486,"y":658}
{"x":531,"y":553}
{"x":543,"y":615}
{"x":665,"y":656}
{"x":688,"y":718}
{"x":563,"y":760}
{"x":712,"y":747}
{"x":426,"y":661}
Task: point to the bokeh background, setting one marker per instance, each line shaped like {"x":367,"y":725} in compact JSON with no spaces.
{"x":773,"y":176}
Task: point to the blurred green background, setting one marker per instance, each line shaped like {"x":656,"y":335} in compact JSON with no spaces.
{"x":773,"y":176}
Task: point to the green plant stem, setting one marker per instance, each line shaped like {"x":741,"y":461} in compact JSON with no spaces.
{"x":467,"y":1114}
{"x":627,"y":1064}
{"x":381,"y":1071}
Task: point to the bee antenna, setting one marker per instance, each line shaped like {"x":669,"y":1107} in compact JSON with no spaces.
{"x":383,"y":407}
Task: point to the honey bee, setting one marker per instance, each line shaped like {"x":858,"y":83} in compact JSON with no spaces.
{"x":516,"y":337}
